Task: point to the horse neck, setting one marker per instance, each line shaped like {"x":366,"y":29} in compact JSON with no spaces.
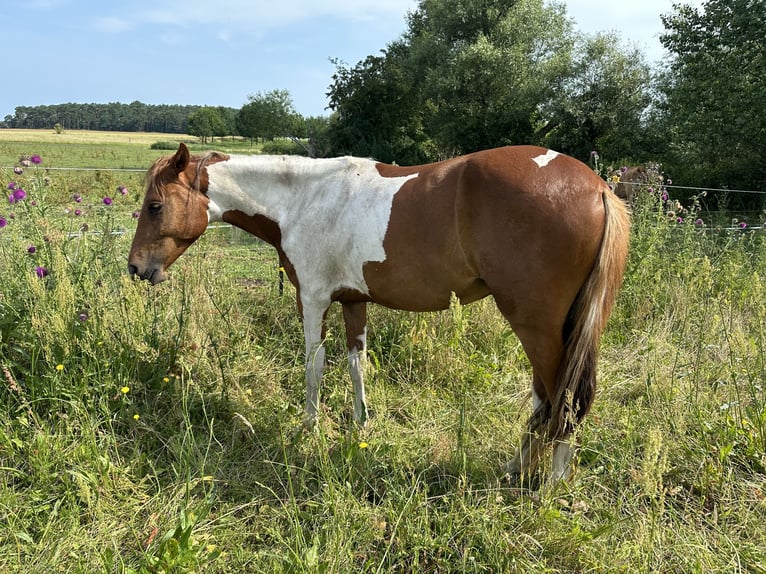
{"x":267,"y":185}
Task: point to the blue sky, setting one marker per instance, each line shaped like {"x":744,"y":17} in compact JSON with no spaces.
{"x":217,"y":52}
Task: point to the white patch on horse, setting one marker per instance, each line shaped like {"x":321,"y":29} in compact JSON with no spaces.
{"x":333,"y":214}
{"x":548,"y":157}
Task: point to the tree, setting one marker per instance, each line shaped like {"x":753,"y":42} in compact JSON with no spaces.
{"x":204,"y":123}
{"x":378,"y":111}
{"x":475,"y":74}
{"x":267,"y":115}
{"x":487,"y":67}
{"x":715,"y":92}
{"x":602,"y":105}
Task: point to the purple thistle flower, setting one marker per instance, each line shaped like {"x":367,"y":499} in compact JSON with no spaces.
{"x":698,"y":221}
{"x":136,"y":214}
{"x":19,"y":194}
{"x":665,"y":196}
{"x":31,"y":249}
{"x":107,"y":201}
{"x":36,"y":159}
{"x":83,"y":316}
{"x":122,"y":189}
{"x":77,"y":198}
{"x":41,"y":271}
{"x":624,"y":169}
{"x":3,"y":222}
{"x":679,"y":220}
{"x":77,"y":212}
{"x":743,"y":225}
{"x":12,"y":185}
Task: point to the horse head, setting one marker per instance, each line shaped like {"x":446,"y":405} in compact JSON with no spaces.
{"x":173,"y":215}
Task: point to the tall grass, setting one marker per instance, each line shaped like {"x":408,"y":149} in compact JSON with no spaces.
{"x":154,"y":429}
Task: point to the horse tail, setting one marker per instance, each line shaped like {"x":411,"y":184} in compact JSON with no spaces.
{"x":587,"y":317}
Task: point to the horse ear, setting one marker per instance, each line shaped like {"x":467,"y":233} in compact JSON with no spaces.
{"x":181,"y":159}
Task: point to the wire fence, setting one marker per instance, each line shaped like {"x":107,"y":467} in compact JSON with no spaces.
{"x":668,"y":186}
{"x":633,"y":183}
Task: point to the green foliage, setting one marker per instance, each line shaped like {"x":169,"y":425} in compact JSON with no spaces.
{"x":284,"y":147}
{"x":378,"y":112}
{"x":135,"y":116}
{"x":268,"y":115}
{"x":167,"y":439}
{"x":487,"y":66}
{"x":470,"y":75}
{"x":602,"y":103}
{"x":208,"y":122}
{"x":164,"y":145}
{"x":713,"y":92}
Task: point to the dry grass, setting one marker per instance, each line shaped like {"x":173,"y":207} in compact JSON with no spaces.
{"x":87,"y":137}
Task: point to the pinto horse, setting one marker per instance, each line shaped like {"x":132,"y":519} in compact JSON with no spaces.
{"x":537,"y":230}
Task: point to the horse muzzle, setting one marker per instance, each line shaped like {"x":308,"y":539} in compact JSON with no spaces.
{"x":153,"y":275}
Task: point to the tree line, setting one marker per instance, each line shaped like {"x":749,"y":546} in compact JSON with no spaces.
{"x":133,"y":117}
{"x":474,"y":74}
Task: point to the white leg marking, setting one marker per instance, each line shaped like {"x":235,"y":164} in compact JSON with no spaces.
{"x":356,"y":362}
{"x":315,"y":355}
{"x":522,"y":459}
{"x":562,"y":458}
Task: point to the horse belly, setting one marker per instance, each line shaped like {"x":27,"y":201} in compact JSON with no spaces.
{"x":421,"y":282}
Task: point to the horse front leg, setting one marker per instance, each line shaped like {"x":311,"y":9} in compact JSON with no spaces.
{"x":355,"y":320}
{"x":313,"y":331}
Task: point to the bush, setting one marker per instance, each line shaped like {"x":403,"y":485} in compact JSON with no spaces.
{"x":283,"y":147}
{"x":164,"y":145}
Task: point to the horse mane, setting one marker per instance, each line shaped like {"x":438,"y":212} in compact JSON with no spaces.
{"x":162,"y":171}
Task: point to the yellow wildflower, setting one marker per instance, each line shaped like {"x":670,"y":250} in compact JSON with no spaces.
{"x":59,"y":367}
{"x":125,"y":390}
{"x":363,"y":445}
{"x":136,"y":417}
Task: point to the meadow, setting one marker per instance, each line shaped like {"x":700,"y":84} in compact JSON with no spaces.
{"x":156,"y":429}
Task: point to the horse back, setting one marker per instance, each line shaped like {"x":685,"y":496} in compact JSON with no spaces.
{"x":506,"y":218}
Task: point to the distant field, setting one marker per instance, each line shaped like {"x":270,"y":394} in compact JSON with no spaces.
{"x":89,"y":137}
{"x":104,"y":150}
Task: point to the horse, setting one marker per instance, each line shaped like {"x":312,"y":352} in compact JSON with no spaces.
{"x":628,"y":180}
{"x":537,"y":230}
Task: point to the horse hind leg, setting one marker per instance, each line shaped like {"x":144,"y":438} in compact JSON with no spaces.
{"x":544,"y":348}
{"x":527,"y":457}
{"x":355,"y":320}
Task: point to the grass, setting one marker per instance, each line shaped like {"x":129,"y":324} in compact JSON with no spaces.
{"x":159,"y":433}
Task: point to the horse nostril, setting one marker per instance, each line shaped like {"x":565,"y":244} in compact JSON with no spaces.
{"x":132,"y":270}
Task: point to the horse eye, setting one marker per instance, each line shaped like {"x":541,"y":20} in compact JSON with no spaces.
{"x":155,"y":207}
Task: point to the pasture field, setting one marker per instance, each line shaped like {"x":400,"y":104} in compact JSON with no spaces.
{"x":147,"y":430}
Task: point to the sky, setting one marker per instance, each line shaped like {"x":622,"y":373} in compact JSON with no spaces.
{"x":218,"y":52}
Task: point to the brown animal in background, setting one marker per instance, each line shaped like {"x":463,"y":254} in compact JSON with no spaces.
{"x":630,"y":179}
